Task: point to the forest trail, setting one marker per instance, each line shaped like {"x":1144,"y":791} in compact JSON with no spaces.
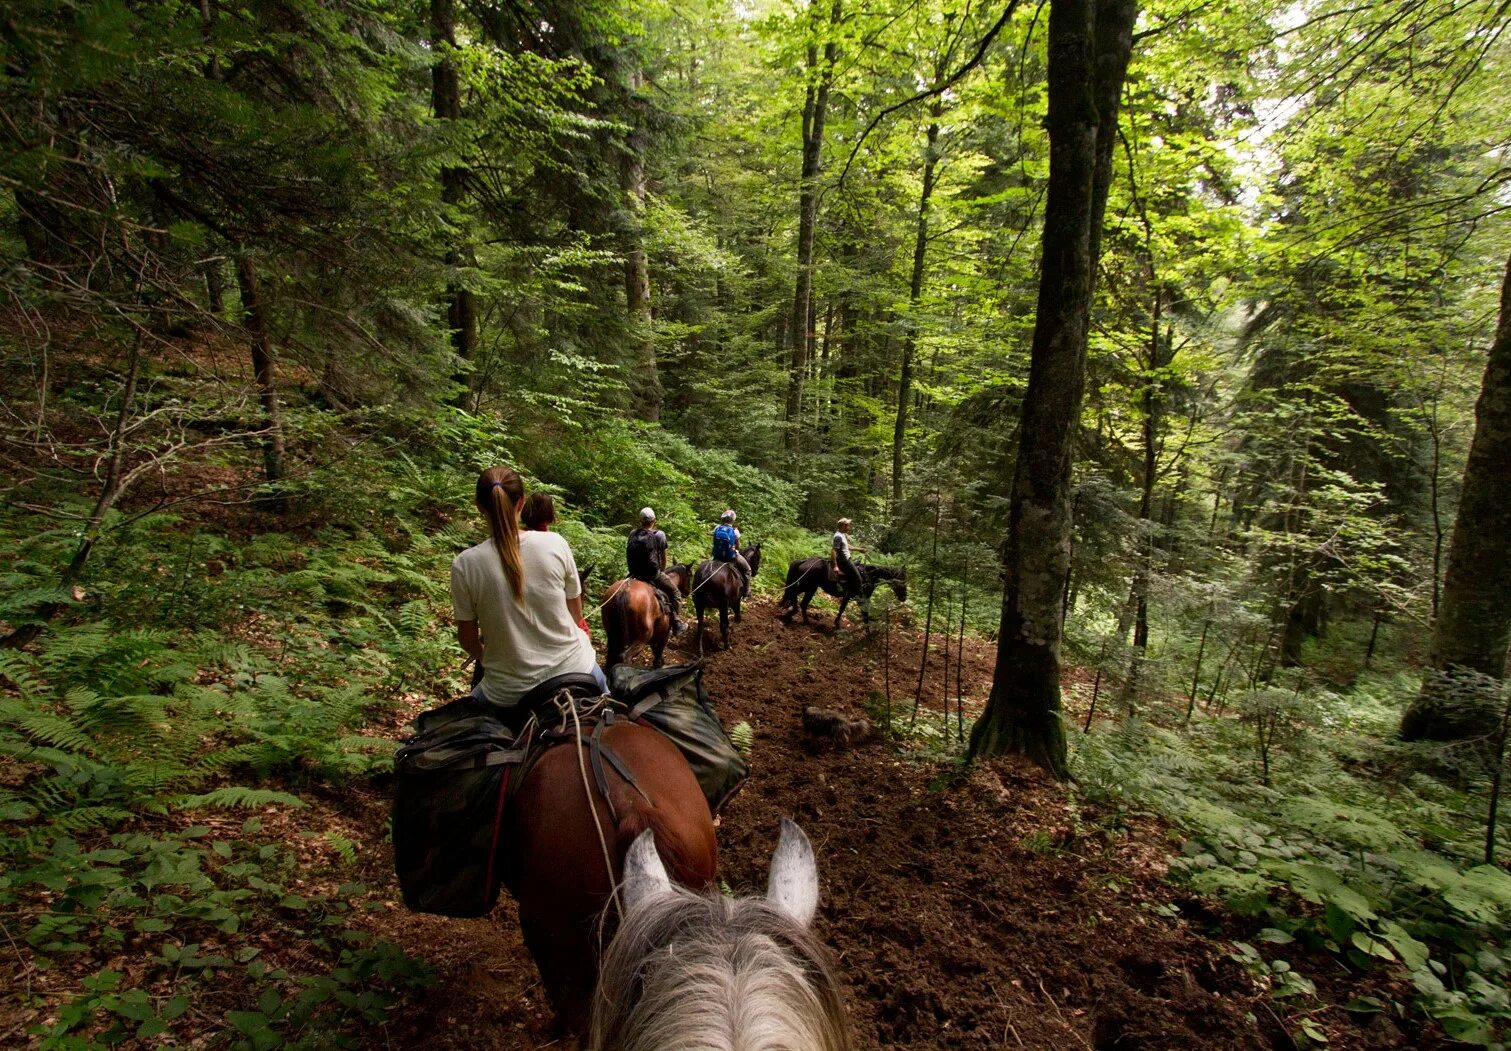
{"x":987,"y":912}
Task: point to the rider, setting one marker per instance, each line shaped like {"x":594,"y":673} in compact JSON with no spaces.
{"x":727,"y":549}
{"x":539,"y":513}
{"x":839,"y":558}
{"x":645,"y":551}
{"x":518,"y":600}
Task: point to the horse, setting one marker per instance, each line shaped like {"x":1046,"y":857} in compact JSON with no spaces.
{"x":716,"y":585}
{"x":805,"y":576}
{"x":707,"y":971}
{"x":632,"y":616}
{"x":564,"y":842}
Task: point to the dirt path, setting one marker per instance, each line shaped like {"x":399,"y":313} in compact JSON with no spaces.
{"x":988,"y":912}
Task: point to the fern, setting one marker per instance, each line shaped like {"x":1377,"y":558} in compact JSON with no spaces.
{"x":345,"y":848}
{"x":238,"y":798}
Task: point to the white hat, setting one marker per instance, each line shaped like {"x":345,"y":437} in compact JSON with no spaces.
{"x":727,"y":516}
{"x":647,"y":515}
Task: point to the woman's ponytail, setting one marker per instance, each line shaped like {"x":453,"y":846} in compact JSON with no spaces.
{"x":499,"y":491}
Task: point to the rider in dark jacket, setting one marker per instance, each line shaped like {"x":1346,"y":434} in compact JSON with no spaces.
{"x":645,"y":551}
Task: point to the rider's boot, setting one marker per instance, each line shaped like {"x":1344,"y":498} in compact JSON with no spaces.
{"x":678,"y":626}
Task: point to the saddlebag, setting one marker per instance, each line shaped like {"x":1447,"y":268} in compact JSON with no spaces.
{"x":450,"y":783}
{"x":673,"y":701}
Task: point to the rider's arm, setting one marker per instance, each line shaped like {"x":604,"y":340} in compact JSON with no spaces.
{"x":467,"y":635}
{"x":574,"y":607}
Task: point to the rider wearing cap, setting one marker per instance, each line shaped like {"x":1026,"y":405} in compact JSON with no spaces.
{"x":645,"y":551}
{"x":727,"y":549}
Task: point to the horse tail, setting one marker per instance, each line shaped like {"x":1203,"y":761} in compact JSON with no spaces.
{"x":789,"y":589}
{"x":616,"y":625}
{"x":676,"y":853}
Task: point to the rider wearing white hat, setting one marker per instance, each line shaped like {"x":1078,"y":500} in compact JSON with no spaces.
{"x":645,"y":551}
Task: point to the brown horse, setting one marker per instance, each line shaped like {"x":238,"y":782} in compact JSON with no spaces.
{"x":562,"y":870}
{"x":716,"y":585}
{"x":632,"y":616}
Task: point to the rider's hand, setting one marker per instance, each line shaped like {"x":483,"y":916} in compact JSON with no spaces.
{"x":583,"y":624}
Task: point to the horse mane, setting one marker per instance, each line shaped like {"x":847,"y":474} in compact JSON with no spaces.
{"x":883,"y":572}
{"x":719,"y":974}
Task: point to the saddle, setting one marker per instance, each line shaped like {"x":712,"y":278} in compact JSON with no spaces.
{"x":454,"y":777}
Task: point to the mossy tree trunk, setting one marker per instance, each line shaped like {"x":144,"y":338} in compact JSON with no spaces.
{"x":1089,"y":45}
{"x":1473,"y":625}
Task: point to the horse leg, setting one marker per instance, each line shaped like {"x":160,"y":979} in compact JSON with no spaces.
{"x":807,"y":598}
{"x":843,"y":602}
{"x":700,"y":629}
{"x":724,"y":623}
{"x":567,"y":967}
{"x":659,"y":636}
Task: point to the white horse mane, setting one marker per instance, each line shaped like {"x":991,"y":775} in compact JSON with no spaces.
{"x":702,"y":972}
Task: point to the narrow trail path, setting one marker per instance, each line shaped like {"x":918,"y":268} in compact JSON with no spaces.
{"x":985,"y":912}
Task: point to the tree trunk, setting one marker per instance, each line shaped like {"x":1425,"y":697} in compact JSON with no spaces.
{"x":1089,"y":45}
{"x":645,"y":380}
{"x":815,"y":113}
{"x":446,"y":100}
{"x":1473,"y":626}
{"x":915,"y":292}
{"x":264,"y":369}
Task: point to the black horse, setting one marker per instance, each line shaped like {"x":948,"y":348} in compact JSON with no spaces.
{"x":805,"y":576}
{"x":716,"y":585}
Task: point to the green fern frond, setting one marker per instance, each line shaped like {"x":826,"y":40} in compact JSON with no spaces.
{"x":235,"y":796}
{"x":47,"y":728}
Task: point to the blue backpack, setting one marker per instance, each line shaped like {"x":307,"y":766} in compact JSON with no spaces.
{"x":724,"y":543}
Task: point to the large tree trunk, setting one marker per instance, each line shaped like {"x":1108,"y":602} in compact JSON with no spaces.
{"x":1089,"y":45}
{"x":1473,"y":626}
{"x":815,"y":112}
{"x":446,"y":100}
{"x":915,"y":292}
{"x":264,"y":368}
{"x":645,"y":380}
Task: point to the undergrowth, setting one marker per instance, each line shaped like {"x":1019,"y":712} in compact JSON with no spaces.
{"x":211,"y":670}
{"x":1326,"y":836}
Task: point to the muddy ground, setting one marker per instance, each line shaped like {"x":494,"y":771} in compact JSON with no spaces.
{"x":990,"y":911}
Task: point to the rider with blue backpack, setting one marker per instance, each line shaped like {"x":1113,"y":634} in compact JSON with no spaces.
{"x":727,"y":549}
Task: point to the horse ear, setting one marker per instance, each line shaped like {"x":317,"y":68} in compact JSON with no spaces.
{"x":792,"y":885}
{"x":644,"y":874}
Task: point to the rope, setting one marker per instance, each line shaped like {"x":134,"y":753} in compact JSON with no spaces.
{"x":587,"y":790}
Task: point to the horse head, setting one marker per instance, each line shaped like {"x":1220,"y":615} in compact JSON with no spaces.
{"x":753,"y":556}
{"x":682,"y":574}
{"x":895,"y":577}
{"x":583,"y":574}
{"x":670,"y":976}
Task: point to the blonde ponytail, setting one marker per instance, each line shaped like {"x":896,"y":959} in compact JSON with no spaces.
{"x":499,"y":491}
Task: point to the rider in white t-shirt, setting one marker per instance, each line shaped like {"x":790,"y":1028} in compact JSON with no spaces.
{"x":839,"y":553}
{"x":518,"y":600}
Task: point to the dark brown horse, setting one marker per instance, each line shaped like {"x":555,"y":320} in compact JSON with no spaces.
{"x":716,"y":585}
{"x":562,"y":872}
{"x":805,"y":576}
{"x":632,"y":616}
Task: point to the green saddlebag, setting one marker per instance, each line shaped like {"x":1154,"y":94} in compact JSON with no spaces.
{"x":450,"y":782}
{"x":673,"y":701}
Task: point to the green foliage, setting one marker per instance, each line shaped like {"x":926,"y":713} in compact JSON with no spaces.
{"x":1322,"y":855}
